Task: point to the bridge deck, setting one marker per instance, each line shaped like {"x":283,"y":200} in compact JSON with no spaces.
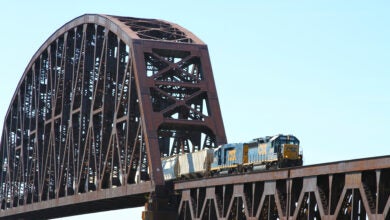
{"x":339,"y":190}
{"x":127,"y":196}
{"x":346,"y":166}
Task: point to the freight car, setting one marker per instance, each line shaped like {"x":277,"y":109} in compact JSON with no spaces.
{"x":276,"y":151}
{"x":189,"y":165}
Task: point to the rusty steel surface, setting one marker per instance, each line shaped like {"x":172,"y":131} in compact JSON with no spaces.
{"x":97,"y":106}
{"x":103,"y":200}
{"x":233,"y":179}
{"x":105,"y":97}
{"x":373,"y":163}
{"x":355,"y":189}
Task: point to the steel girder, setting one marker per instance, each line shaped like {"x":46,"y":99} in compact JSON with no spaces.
{"x":356,"y":189}
{"x":98,"y":105}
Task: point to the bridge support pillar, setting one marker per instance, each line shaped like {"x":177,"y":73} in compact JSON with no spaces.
{"x":161,"y":205}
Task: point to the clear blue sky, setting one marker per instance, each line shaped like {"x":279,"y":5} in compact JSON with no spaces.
{"x":317,"y":69}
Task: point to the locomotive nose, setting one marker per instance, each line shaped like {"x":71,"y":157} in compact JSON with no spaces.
{"x":291,"y":151}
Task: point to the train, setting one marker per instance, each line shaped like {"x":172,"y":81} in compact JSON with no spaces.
{"x":270,"y":152}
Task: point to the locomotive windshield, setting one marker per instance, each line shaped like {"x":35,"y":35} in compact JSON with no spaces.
{"x":287,"y":140}
{"x":284,"y":139}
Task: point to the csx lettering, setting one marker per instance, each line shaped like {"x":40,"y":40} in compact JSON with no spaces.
{"x":232,"y":155}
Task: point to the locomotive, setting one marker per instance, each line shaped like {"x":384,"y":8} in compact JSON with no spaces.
{"x":278,"y":151}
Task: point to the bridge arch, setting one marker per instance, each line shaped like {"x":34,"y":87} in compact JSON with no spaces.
{"x":99,"y":103}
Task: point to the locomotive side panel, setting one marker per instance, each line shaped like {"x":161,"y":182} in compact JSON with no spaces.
{"x":229,"y":155}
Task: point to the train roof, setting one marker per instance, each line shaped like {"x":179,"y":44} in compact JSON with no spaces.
{"x":272,"y":138}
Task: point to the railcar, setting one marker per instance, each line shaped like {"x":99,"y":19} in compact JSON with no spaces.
{"x":170,"y":167}
{"x":188,"y":165}
{"x":195,"y":164}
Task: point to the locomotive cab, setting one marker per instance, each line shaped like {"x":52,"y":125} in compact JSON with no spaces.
{"x":287,"y":149}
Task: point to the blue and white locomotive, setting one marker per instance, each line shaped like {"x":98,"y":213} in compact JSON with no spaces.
{"x":262,"y":153}
{"x":276,"y":151}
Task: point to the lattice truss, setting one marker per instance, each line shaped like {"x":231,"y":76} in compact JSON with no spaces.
{"x":361,"y":195}
{"x":97,"y":107}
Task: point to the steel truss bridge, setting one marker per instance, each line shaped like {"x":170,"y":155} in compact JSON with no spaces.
{"x":356,"y":189}
{"x":106,"y":96}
